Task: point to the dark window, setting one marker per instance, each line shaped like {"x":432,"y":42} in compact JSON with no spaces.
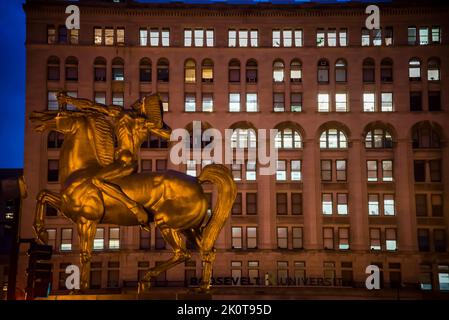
{"x":163,"y":71}
{"x":144,"y":240}
{"x":53,"y":68}
{"x":421,"y":205}
{"x":424,"y":136}
{"x":71,"y":69}
{"x":62,"y":34}
{"x":437,"y":205}
{"x":161,"y":165}
{"x":434,"y":101}
{"x":234,"y":71}
{"x":423,"y":240}
{"x":53,"y":171}
{"x":251,"y":203}
{"x":50,"y":211}
{"x":368,"y":70}
{"x":251,"y":71}
{"x":281,"y":203}
{"x":395,"y":276}
{"x":326,"y":170}
{"x":296,"y":203}
{"x":386,"y":70}
{"x":237,"y":206}
{"x":415,"y":101}
{"x":145,"y":70}
{"x":160,"y":242}
{"x":435,"y":170}
{"x":439,"y":239}
{"x":55,"y":140}
{"x":100,"y":69}
{"x":420,"y":170}
{"x":323,"y":71}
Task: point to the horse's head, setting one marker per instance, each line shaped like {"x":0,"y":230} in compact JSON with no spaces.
{"x":65,"y":122}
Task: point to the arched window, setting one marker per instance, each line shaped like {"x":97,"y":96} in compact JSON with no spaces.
{"x":333,"y":139}
{"x":118,"y":69}
{"x":251,"y":71}
{"x":414,"y":69}
{"x":323,"y":71}
{"x":288,"y":138}
{"x":53,"y":68}
{"x":197,"y":141}
{"x":145,"y":70}
{"x":100,"y":69}
{"x":386,"y":70}
{"x":278,"y":71}
{"x":378,"y":138}
{"x":71,"y":69}
{"x":190,"y":71}
{"x":368,"y":70}
{"x":163,"y":70}
{"x":243,"y":138}
{"x":234,"y":70}
{"x":433,"y":69}
{"x":424,"y":135}
{"x":341,"y":70}
{"x":207,"y":71}
{"x":296,"y":71}
{"x":55,"y":140}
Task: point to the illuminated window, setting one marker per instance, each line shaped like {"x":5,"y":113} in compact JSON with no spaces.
{"x":295,"y":102}
{"x":190,"y":71}
{"x":341,"y":102}
{"x":295,"y":170}
{"x":326,"y":204}
{"x":208,"y":102}
{"x":390,"y":239}
{"x":251,"y":102}
{"x":281,"y":170}
{"x":190,"y":102}
{"x":207,"y":71}
{"x":278,"y":71}
{"x":333,"y":139}
{"x":373,"y":204}
{"x":99,"y":239}
{"x":389,"y":207}
{"x":343,"y":238}
{"x":295,"y":71}
{"x":66,"y":240}
{"x":414,"y":69}
{"x":369,"y":102}
{"x":243,"y":138}
{"x":386,"y":102}
{"x":342,"y":203}
{"x":251,"y":170}
{"x":143,"y":37}
{"x":191,"y":168}
{"x":323,"y":102}
{"x":118,"y":99}
{"x":387,"y":170}
{"x":288,"y":139}
{"x":114,"y":238}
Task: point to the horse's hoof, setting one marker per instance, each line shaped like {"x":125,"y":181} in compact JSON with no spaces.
{"x":143,"y":286}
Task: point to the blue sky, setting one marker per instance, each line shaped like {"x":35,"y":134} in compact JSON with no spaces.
{"x":12,"y":83}
{"x":12,"y":77}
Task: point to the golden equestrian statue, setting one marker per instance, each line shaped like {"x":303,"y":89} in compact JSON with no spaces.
{"x":99,"y":183}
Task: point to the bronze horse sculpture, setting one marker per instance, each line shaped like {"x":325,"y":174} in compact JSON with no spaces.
{"x":175,"y":200}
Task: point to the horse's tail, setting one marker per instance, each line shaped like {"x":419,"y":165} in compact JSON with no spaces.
{"x":220,"y":176}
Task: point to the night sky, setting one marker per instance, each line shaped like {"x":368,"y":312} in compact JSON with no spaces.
{"x":12,"y":77}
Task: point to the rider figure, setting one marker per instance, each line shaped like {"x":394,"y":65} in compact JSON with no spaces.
{"x":132,"y":128}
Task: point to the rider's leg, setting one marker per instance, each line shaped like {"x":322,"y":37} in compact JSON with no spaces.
{"x":124,"y":166}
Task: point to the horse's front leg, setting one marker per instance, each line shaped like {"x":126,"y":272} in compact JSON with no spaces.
{"x":44,"y":198}
{"x":86,"y":233}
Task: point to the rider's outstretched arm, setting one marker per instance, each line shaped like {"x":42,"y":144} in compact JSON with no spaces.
{"x":85,"y":104}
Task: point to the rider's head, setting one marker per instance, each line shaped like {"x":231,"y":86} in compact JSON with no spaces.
{"x":145,"y":104}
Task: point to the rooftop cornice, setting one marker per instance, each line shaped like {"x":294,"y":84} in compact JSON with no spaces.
{"x":223,"y":10}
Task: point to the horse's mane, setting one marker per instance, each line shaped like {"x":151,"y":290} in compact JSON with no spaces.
{"x":103,"y":137}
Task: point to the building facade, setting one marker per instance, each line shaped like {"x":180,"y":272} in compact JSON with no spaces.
{"x":362,"y":174}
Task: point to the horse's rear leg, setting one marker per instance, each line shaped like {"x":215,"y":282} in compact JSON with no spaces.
{"x":175,"y":240}
{"x":86,"y":233}
{"x":44,"y":198}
